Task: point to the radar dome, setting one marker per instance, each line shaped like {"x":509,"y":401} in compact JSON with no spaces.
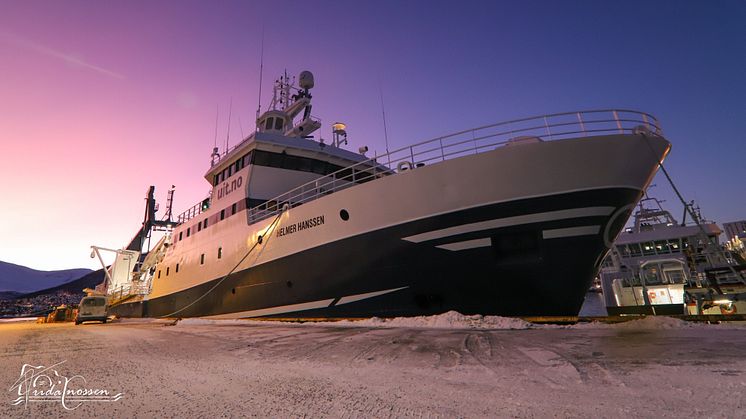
{"x":305,"y":80}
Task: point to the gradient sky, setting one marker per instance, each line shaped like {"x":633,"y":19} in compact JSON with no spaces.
{"x":99,"y":99}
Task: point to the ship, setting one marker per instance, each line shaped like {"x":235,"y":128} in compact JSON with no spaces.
{"x":662,"y":266}
{"x":511,"y":218}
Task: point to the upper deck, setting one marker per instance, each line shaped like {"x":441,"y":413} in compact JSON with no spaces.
{"x":550,"y":127}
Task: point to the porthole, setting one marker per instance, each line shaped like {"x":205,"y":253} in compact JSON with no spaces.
{"x":344,"y":215}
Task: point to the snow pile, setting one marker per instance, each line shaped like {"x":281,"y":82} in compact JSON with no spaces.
{"x":197,"y":321}
{"x":455,"y":320}
{"x":449,"y":320}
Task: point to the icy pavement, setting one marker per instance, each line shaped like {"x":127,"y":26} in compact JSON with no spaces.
{"x":442,"y":366}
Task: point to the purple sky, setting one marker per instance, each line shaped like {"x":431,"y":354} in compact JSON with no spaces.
{"x":99,"y":99}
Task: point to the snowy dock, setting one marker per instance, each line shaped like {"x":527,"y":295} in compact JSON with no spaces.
{"x":440,"y":366}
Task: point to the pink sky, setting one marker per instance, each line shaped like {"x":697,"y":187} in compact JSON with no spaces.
{"x":99,"y":100}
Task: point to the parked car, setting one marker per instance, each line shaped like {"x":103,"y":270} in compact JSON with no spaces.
{"x":92,"y":308}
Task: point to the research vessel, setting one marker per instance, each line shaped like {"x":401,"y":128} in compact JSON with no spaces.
{"x":511,"y":218}
{"x":662,"y":266}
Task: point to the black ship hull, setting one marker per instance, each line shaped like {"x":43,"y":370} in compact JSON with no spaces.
{"x":519,"y":270}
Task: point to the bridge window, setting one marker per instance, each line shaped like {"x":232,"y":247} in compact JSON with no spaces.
{"x":278,"y":123}
{"x":268,"y":124}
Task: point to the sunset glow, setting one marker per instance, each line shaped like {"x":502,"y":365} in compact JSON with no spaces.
{"x":99,"y":100}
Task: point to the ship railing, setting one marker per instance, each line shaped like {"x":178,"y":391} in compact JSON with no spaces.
{"x":473,"y":141}
{"x":194,"y":211}
{"x":127,"y":290}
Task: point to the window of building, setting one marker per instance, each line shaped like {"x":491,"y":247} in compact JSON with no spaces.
{"x":220,"y":252}
{"x":202,"y":259}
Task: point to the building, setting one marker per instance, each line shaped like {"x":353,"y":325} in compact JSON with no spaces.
{"x":735,"y":228}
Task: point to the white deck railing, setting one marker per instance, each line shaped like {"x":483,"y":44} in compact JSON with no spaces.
{"x":473,"y":141}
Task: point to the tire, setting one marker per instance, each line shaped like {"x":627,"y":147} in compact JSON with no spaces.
{"x":103,"y":321}
{"x":77,"y":323}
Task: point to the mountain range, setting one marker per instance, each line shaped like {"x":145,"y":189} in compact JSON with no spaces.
{"x":20,"y":279}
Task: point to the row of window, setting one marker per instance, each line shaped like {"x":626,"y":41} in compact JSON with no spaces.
{"x":201,"y":262}
{"x":276,"y":122}
{"x":232,"y":169}
{"x":297,"y":163}
{"x":652,"y":248}
{"x":202,"y":224}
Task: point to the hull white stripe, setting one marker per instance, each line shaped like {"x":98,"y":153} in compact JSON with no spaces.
{"x":464,"y":245}
{"x":511,"y":221}
{"x":300,"y":307}
{"x":570,"y":232}
{"x":358,"y":297}
{"x":274,"y":310}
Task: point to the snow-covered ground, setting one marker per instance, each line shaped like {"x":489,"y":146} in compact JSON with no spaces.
{"x":441,"y":366}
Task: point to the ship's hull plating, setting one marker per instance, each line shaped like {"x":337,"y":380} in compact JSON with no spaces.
{"x":520,"y":272}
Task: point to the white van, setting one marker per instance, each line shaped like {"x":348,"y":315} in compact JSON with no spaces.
{"x":92,"y":308}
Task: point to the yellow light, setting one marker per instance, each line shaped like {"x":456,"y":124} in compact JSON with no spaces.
{"x":339,"y":127}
